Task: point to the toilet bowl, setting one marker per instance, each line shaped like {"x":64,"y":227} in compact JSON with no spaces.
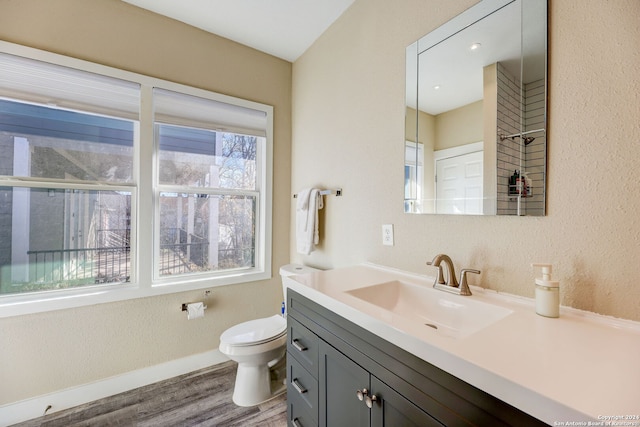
{"x":259,"y":347}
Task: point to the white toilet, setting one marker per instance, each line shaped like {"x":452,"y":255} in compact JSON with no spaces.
{"x":259,"y":347}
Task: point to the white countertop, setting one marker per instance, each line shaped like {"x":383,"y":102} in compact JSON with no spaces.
{"x":579,"y":367}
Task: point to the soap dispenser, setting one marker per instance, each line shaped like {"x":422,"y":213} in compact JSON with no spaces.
{"x":547,"y":293}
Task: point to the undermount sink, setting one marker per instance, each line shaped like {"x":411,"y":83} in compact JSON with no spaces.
{"x":448,"y":314}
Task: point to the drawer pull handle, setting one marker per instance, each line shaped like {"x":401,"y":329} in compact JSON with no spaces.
{"x":299,"y":388}
{"x":362,"y":393}
{"x":298,"y":346}
{"x":296,"y":423}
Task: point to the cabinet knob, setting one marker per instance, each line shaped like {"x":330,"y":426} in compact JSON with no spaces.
{"x":370,"y":399}
{"x":362,"y":393}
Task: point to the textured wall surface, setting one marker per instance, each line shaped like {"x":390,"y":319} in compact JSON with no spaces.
{"x":348,"y":131}
{"x":42,"y":353}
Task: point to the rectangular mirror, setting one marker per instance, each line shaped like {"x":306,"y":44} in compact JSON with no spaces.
{"x":476,"y":113}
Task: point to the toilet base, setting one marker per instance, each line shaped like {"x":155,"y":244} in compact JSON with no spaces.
{"x":257,"y":383}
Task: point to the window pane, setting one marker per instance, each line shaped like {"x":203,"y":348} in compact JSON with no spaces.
{"x":56,"y":239}
{"x":204,"y":158}
{"x":200,"y":232}
{"x":45,"y":142}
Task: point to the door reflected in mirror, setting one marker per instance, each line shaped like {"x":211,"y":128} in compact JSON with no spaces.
{"x":475,"y":136}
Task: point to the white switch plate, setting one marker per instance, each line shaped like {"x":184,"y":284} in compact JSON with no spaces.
{"x":387,"y":234}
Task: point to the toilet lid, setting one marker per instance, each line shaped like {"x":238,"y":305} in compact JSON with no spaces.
{"x":255,"y":331}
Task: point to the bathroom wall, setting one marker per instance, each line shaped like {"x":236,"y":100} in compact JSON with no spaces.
{"x":47,"y":352}
{"x":348,"y":131}
{"x":450,"y":134}
{"x":437,"y":133}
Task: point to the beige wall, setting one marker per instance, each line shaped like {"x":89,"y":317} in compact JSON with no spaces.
{"x":348,"y":131}
{"x":46,"y":352}
{"x":450,"y":134}
{"x":444,"y":130}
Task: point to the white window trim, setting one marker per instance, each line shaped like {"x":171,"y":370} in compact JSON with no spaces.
{"x":142,"y":283}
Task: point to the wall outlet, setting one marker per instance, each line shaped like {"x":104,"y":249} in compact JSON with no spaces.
{"x":387,"y":234}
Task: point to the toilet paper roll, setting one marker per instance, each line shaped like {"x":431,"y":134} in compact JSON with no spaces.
{"x":195,"y":310}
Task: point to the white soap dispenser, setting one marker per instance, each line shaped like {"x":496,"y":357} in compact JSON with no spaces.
{"x":547,"y":293}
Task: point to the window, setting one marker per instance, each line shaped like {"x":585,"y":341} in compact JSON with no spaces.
{"x":90,"y":183}
{"x":67,"y":140}
{"x":207,"y":184}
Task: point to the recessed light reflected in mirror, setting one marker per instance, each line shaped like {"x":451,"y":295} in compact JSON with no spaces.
{"x":475,"y":46}
{"x":436,"y":87}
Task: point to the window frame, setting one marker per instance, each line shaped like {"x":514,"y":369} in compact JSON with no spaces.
{"x":145,"y":191}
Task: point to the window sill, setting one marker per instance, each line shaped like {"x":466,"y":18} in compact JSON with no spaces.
{"x":22,"y":304}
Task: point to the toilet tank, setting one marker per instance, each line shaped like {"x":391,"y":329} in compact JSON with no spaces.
{"x":289,"y":270}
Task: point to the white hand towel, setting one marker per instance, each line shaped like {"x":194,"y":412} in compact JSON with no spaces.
{"x":307,"y":233}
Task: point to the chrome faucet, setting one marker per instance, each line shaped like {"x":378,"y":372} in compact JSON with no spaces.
{"x":451,"y":284}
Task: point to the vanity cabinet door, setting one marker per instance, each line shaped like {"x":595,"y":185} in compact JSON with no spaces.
{"x":394,"y":410}
{"x":339,"y":381}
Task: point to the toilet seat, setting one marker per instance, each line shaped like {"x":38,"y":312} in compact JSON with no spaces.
{"x":255,"y":332}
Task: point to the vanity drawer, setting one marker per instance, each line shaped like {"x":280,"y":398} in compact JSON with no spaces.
{"x":302,"y":344}
{"x":298,"y":416}
{"x":302,"y":390}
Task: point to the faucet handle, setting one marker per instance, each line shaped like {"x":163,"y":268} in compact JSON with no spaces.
{"x":464,"y":286}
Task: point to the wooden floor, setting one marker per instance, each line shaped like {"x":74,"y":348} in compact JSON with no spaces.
{"x":200,"y":398}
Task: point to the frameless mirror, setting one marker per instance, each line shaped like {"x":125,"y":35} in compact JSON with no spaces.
{"x":476,"y":113}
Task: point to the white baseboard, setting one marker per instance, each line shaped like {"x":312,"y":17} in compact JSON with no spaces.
{"x":64,"y":399}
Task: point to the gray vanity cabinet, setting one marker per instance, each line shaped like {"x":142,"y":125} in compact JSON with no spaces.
{"x":335,"y":368}
{"x":323,"y":384}
{"x":343,"y":378}
{"x":340,"y":379}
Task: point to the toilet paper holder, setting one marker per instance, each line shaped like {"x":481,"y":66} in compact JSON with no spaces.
{"x":207,"y":293}
{"x":184,"y":306}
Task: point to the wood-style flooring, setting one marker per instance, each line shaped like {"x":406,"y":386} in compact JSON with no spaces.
{"x":200,"y":398}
